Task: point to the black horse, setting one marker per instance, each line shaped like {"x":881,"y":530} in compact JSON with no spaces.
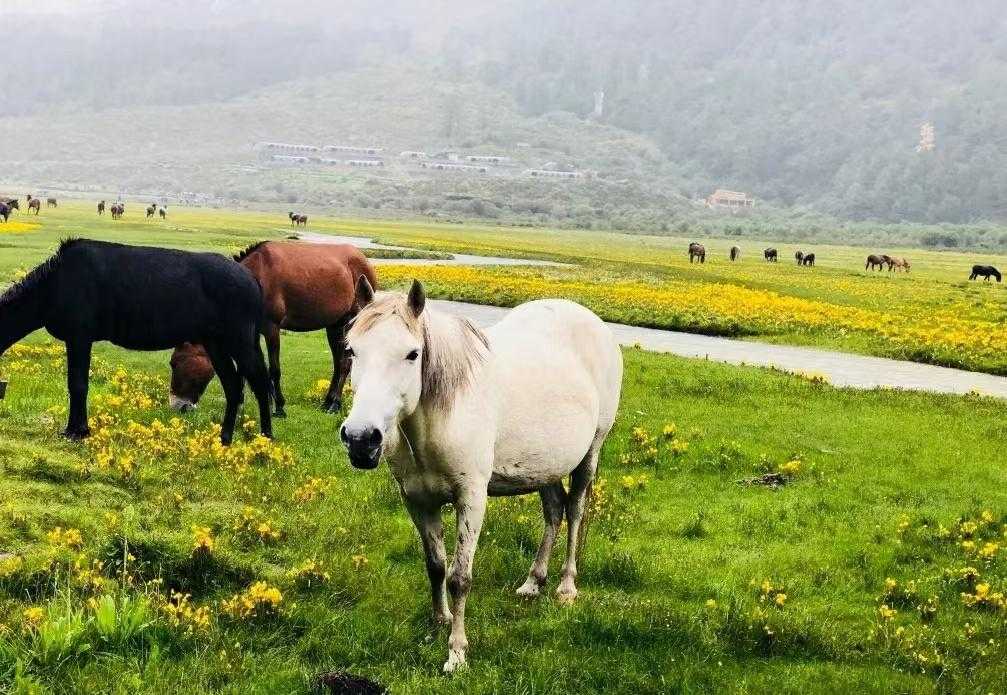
{"x":808,"y":259}
{"x":771,"y":255}
{"x":5,"y":209}
{"x":985,"y":271}
{"x":143,"y":298}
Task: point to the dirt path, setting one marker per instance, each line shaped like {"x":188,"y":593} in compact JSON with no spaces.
{"x":841,"y":368}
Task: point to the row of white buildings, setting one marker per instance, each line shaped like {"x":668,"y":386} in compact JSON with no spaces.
{"x":373,"y":157}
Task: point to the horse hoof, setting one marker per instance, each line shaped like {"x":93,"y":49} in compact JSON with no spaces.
{"x":443,"y":619}
{"x":456,"y":661}
{"x":280,"y":413}
{"x":77,"y":435}
{"x":334,"y":407}
{"x":530,"y":589}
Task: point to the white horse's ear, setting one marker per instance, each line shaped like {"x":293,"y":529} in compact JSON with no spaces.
{"x":365,"y":293}
{"x":417,"y":298}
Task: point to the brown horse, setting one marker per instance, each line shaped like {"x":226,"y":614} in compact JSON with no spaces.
{"x":697,"y":251}
{"x":900,"y":263}
{"x":101,"y":208}
{"x":306,"y":287}
{"x":117,"y":210}
{"x":34,"y":204}
{"x":735,"y":253}
{"x":50,"y":202}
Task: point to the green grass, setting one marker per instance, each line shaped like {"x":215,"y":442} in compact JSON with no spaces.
{"x":879,"y":473}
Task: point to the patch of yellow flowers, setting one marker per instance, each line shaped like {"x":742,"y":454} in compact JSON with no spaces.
{"x":259,"y":600}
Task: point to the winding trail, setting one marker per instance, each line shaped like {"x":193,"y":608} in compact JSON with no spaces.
{"x":841,"y":368}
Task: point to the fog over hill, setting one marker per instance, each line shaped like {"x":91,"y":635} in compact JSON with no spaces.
{"x":807,"y":105}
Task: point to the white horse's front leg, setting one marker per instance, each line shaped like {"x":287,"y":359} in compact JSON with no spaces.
{"x":428,"y":522}
{"x":471,"y":506}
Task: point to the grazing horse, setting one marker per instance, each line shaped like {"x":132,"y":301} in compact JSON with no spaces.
{"x":735,"y":253}
{"x":808,"y":260}
{"x":985,"y":271}
{"x":117,"y":210}
{"x":101,"y":208}
{"x":462,"y":414}
{"x":5,"y":209}
{"x":34,"y":204}
{"x":142,"y":298}
{"x":771,"y":255}
{"x":697,"y":251}
{"x":163,"y":213}
{"x":877,"y":261}
{"x":305,"y":287}
{"x":900,"y":263}
{"x":300,"y":220}
{"x":50,"y":202}
{"x":799,"y":257}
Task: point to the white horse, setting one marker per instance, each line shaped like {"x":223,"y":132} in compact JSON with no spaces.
{"x":462,"y":414}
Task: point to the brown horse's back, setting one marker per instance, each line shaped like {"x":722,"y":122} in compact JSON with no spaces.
{"x":308,"y":287}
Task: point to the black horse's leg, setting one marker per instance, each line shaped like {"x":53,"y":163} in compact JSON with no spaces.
{"x":272,"y":334}
{"x":252,"y":367}
{"x":340,"y":366}
{"x":78,"y":363}
{"x":231,"y":382}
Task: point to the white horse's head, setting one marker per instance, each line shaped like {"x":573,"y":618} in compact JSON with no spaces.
{"x":403,"y":357}
{"x":386,"y":344}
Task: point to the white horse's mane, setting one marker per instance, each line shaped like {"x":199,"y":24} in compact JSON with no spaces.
{"x":453,"y":348}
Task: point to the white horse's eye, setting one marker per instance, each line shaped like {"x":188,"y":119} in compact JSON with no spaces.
{"x":412,"y":356}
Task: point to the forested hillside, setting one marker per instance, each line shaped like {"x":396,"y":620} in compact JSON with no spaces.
{"x":814,"y":107}
{"x":803,"y":102}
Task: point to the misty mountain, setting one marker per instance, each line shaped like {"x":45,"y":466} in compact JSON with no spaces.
{"x":805,"y":104}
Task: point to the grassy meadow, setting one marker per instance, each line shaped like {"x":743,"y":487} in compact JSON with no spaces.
{"x":750,"y":532}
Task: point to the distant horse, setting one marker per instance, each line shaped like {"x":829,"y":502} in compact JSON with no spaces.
{"x":985,"y":271}
{"x":799,"y":257}
{"x":50,"y":202}
{"x":808,"y":260}
{"x":117,"y":210}
{"x":900,"y":263}
{"x":5,"y":209}
{"x":771,"y":255}
{"x":163,"y":213}
{"x":735,"y":253}
{"x":305,"y":287}
{"x":461,"y":414}
{"x":13,"y":204}
{"x":142,"y":298}
{"x":697,"y":251}
{"x":300,"y":220}
{"x":34,"y":204}
{"x":877,"y":261}
{"x":101,"y":208}
{"x":150,"y":211}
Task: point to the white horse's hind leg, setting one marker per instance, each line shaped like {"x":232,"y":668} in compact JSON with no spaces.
{"x":553,"y":506}
{"x":471,"y":508}
{"x":580,"y":483}
{"x":428,"y":523}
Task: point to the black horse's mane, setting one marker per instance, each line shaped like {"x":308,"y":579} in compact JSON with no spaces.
{"x":250,"y":250}
{"x":36,"y":276}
